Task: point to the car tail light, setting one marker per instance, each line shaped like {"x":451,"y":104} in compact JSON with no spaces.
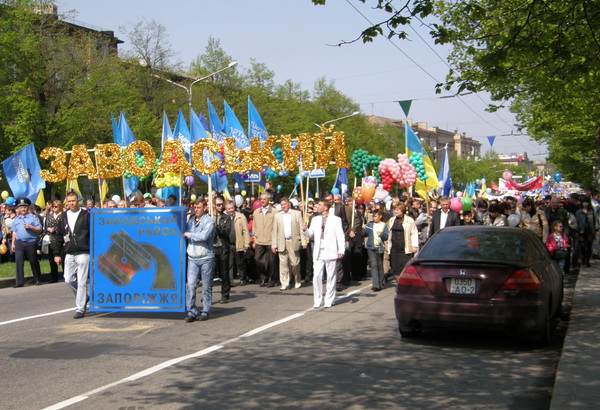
{"x":522,"y":280}
{"x":410,"y":277}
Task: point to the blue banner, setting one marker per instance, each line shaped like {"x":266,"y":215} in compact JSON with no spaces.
{"x":216,"y":126}
{"x":234,"y":129}
{"x":182,"y":133}
{"x":22,"y":171}
{"x":138,"y":260}
{"x":256,"y":126}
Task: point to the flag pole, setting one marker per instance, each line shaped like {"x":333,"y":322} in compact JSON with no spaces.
{"x":353,"y":205}
{"x":99,"y":183}
{"x":302,"y":189}
{"x":210,"y":201}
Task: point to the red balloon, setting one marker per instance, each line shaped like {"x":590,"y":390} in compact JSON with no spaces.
{"x":256,"y":205}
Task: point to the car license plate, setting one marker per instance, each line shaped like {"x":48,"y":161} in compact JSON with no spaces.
{"x":462,"y":286}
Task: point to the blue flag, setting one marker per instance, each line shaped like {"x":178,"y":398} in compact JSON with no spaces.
{"x":445,"y":180}
{"x":199,"y":131}
{"x":115,"y":130}
{"x":126,"y":135}
{"x":22,"y":171}
{"x":341,"y":182}
{"x":256,"y":126}
{"x":216,"y":126}
{"x":234,"y":129}
{"x":182,"y":133}
{"x":125,"y":138}
{"x":167,"y":134}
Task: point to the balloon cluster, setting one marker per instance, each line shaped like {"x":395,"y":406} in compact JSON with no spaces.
{"x":361,"y":161}
{"x":408,"y":175}
{"x":390,"y":172}
{"x":416,"y":159}
{"x":168,"y":179}
{"x":278,"y":152}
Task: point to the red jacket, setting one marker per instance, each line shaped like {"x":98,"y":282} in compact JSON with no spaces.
{"x":551,"y":244}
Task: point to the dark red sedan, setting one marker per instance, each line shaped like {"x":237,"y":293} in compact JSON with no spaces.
{"x":481,"y":277}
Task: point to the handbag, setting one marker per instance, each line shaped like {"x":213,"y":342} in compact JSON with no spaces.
{"x":560,"y":254}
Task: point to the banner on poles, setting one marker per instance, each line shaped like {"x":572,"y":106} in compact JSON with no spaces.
{"x":138,"y":260}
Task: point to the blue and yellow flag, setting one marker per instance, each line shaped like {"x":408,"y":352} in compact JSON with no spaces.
{"x":414,"y":145}
{"x":22,"y":171}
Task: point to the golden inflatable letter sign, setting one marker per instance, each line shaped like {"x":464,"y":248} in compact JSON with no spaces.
{"x":180,"y":166}
{"x":108,"y":161}
{"x":57,"y":164}
{"x":147,"y":153}
{"x":200,"y":165}
{"x":81,"y":163}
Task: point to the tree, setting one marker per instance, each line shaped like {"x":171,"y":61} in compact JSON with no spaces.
{"x":150,"y":43}
{"x":539,"y":58}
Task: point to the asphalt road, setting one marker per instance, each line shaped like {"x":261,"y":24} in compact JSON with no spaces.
{"x":264,"y":349}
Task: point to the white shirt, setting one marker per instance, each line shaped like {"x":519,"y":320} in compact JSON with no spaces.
{"x":72,"y":218}
{"x":287,"y":224}
{"x":443,"y":219}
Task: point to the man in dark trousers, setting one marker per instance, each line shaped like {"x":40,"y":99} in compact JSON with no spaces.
{"x":443,"y":217}
{"x":73,"y":240}
{"x":25,"y":230}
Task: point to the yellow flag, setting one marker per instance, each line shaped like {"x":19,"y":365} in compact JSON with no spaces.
{"x":40,"y":201}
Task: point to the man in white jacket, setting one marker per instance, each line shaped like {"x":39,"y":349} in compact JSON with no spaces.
{"x":329,"y":245}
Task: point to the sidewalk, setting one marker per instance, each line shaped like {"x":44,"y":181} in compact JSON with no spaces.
{"x":577,"y":383}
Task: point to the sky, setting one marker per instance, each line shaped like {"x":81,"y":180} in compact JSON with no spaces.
{"x":299,"y":41}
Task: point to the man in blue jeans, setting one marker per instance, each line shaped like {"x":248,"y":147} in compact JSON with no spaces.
{"x":200,"y":235}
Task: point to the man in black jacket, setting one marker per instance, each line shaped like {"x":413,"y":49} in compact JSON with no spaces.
{"x":73,"y":240}
{"x":443,"y":217}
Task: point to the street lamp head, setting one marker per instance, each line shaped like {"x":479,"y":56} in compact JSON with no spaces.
{"x":232,"y":64}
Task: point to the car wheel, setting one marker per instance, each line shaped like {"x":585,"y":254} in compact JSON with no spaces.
{"x":543,"y":336}
{"x":408,"y":334}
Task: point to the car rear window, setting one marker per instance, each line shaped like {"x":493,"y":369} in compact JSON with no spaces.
{"x":476,"y":245}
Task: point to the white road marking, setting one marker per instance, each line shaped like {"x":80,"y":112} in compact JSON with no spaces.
{"x":8,"y":322}
{"x":172,"y":362}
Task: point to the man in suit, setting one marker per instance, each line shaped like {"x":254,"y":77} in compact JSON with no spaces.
{"x":338,"y":210}
{"x":262,"y":229}
{"x":287,"y":239}
{"x":443,"y":217}
{"x":329,"y":246}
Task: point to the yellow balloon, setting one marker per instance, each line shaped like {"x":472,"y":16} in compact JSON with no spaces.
{"x":3,"y":249}
{"x":368,"y":192}
{"x":193,"y":197}
{"x":5,"y":194}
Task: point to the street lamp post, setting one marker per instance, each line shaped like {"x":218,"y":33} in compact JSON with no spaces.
{"x":338,"y":119}
{"x":189,"y":89}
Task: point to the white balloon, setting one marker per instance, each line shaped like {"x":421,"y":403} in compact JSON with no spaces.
{"x":514,"y":219}
{"x":239,"y":200}
{"x":294,"y":202}
{"x":116,"y":198}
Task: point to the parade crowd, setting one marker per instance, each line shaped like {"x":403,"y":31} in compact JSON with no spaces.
{"x":279,"y":241}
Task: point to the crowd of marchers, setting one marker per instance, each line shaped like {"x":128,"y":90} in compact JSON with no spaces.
{"x":272,"y":241}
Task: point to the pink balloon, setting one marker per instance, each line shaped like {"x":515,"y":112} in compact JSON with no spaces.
{"x":507,"y":175}
{"x":456,"y":204}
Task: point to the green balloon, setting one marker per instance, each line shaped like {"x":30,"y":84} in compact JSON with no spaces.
{"x":467,"y":203}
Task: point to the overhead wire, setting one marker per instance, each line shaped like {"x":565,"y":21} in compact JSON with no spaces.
{"x":436,"y":80}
